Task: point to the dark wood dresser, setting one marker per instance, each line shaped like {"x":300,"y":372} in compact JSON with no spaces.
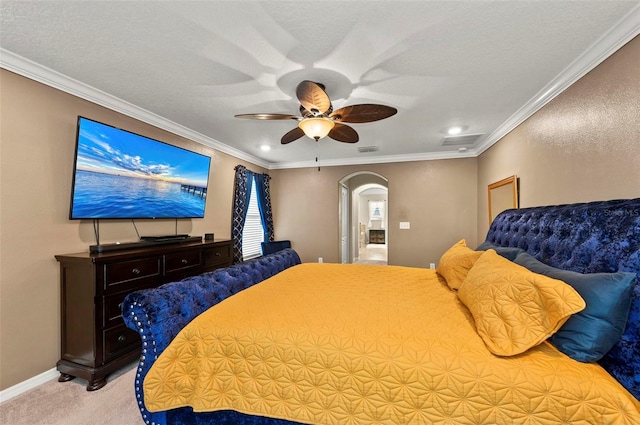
{"x":95,"y":341}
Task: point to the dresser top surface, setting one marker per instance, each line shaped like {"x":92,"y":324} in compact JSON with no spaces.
{"x":151,"y":249}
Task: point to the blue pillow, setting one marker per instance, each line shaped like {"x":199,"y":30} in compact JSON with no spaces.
{"x":591,"y":333}
{"x":507,"y":252}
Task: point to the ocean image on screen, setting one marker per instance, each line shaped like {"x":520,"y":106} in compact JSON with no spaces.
{"x":124,"y":175}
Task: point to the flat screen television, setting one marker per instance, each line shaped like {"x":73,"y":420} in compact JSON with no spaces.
{"x":119,"y":174}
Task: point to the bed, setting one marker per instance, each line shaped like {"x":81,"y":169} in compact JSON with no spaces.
{"x":329,"y":343}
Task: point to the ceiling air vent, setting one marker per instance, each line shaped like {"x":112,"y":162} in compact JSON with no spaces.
{"x":466,"y":139}
{"x":363,"y":149}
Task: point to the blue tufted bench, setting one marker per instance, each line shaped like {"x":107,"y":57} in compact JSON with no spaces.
{"x":159,"y":314}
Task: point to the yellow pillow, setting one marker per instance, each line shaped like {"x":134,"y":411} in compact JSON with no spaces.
{"x":515,"y":309}
{"x":456,"y":263}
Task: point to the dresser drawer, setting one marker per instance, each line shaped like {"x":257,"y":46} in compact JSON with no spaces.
{"x":113,"y":309}
{"x":217,"y":255}
{"x":118,"y":340}
{"x":182,"y":261}
{"x":127,"y":274}
{"x":112,"y":305}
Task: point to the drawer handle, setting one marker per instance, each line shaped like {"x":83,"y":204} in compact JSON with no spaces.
{"x":120,"y":306}
{"x":217,"y":254}
{"x":184,"y":261}
{"x":135,"y":271}
{"x":122,"y":338}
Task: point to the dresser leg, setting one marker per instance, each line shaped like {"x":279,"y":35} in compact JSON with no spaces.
{"x":93,"y":385}
{"x":96,"y":384}
{"x":64,"y":377}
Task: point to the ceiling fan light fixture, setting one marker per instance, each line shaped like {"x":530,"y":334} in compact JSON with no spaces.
{"x":316,"y":127}
{"x":318,"y":119}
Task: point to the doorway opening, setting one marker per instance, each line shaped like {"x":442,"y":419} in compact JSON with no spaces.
{"x":364,"y":205}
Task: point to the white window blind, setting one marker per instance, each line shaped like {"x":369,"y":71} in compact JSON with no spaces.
{"x":253,"y":233}
{"x":376,"y":210}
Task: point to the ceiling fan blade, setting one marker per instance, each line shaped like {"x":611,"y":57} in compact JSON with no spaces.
{"x":343,"y":133}
{"x":291,"y":136}
{"x":268,"y":116}
{"x":366,"y":112}
{"x":313,"y":97}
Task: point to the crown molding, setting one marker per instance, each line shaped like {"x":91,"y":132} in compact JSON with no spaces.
{"x":621,"y":33}
{"x":34,"y":71}
{"x":425,"y":156}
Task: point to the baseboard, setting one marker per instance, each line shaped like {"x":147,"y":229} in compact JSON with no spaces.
{"x":27,"y":385}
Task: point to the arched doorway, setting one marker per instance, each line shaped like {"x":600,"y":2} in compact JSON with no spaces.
{"x":363,"y":221}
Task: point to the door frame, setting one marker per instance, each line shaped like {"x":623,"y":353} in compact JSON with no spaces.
{"x":346,"y":228}
{"x":344,"y":206}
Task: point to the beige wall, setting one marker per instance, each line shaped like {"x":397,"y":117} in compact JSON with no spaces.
{"x":438,"y":198}
{"x":582,"y":146}
{"x":37,"y":142}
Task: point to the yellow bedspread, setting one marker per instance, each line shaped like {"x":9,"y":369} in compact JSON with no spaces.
{"x":347,"y":344}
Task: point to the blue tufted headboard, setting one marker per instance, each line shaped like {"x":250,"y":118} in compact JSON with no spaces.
{"x":587,"y":238}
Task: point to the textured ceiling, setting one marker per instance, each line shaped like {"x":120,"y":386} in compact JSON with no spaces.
{"x":191,"y":66}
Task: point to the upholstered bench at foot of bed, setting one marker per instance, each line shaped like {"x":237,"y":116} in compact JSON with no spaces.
{"x":159,"y":314}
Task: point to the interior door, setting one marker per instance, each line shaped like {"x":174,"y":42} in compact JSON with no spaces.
{"x":344,"y":223}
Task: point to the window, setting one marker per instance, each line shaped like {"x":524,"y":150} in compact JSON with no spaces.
{"x":253,"y":232}
{"x":376,"y":210}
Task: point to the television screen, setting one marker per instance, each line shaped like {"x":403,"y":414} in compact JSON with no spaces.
{"x":119,"y":174}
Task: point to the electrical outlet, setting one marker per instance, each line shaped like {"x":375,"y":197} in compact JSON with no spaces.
{"x":432,"y":266}
{"x":320,"y":260}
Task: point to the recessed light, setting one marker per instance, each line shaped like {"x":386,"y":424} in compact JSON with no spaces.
{"x":455,"y":130}
{"x":265,"y":148}
{"x":462,"y":149}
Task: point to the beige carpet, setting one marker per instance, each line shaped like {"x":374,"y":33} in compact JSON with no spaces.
{"x":69,"y":403}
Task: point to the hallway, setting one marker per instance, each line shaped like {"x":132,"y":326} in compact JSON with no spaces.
{"x":373,"y":254}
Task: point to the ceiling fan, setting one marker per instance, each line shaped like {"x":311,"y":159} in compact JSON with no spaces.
{"x":318,"y":119}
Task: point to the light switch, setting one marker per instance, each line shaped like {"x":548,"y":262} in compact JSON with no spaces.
{"x":405,"y":225}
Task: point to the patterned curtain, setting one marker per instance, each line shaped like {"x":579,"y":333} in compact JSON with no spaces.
{"x":264,"y":204}
{"x":241,"y":193}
